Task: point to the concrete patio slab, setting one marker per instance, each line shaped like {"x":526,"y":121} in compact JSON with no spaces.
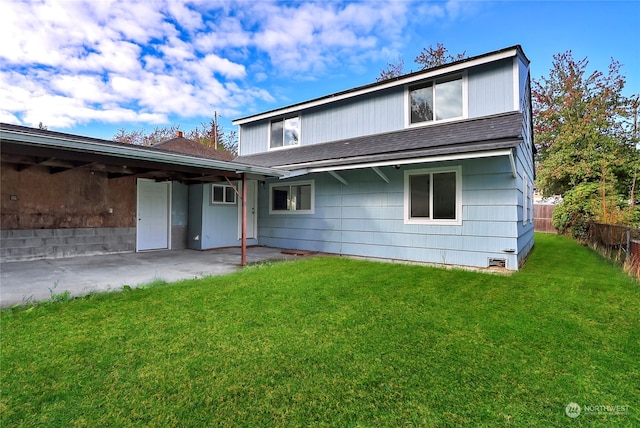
{"x":31,"y":281}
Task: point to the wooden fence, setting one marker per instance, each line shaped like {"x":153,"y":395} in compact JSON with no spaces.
{"x":619,"y":243}
{"x":542,"y":215}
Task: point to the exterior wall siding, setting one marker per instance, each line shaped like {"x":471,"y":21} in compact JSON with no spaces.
{"x":253,"y":138}
{"x":525,"y":167}
{"x":368,"y":114}
{"x":490,"y":91}
{"x":179,"y":215}
{"x":365,"y":218}
{"x":215,"y":225}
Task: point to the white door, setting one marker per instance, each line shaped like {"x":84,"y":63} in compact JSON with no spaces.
{"x":153,"y":215}
{"x":252,"y":210}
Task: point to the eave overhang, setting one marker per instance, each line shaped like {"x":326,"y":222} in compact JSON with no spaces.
{"x":310,"y":169}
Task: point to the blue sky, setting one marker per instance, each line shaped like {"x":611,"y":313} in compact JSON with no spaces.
{"x":93,"y":67}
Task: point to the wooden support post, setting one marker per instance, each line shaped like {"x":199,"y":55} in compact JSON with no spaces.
{"x":243,"y":261}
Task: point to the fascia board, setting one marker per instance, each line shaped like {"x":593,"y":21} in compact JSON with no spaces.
{"x":427,"y":159}
{"x":133,"y":152}
{"x":369,"y":89}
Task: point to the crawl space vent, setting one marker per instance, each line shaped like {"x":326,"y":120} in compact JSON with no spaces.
{"x":497,"y":263}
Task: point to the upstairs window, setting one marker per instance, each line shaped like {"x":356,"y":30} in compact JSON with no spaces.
{"x":436,"y":100}
{"x":285,"y":132}
{"x":223,"y":194}
{"x":292,"y":198}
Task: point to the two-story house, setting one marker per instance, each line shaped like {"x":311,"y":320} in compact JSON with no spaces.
{"x":434,"y":166}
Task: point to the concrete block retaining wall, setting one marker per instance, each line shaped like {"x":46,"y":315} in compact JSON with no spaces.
{"x":20,"y":245}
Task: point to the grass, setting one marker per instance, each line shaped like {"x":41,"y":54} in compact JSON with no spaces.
{"x":336,"y":342}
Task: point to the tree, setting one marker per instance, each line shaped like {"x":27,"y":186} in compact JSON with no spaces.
{"x":428,"y":58}
{"x":212,"y":134}
{"x":392,"y":71}
{"x":585,"y":143}
{"x":141,"y":138}
{"x":433,"y":57}
{"x":209,"y":134}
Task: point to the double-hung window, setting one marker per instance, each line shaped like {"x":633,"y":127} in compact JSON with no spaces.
{"x":436,"y":100}
{"x":433,"y":196}
{"x":222,"y":194}
{"x":285,"y":132}
{"x":291,"y":198}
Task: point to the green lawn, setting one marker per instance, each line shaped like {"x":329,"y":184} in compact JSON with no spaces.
{"x":336,"y":342}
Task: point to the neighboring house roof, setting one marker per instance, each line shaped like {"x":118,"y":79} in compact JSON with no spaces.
{"x":190,"y":147}
{"x":25,"y":147}
{"x":502,"y":131}
{"x":451,"y":67}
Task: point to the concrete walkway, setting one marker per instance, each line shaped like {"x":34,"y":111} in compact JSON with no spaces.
{"x":24,"y":282}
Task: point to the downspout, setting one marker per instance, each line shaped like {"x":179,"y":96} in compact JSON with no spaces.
{"x":514,"y":171}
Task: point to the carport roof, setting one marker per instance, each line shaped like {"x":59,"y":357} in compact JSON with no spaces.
{"x":26,"y":147}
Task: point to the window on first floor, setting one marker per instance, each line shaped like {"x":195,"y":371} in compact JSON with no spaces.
{"x":293,"y":198}
{"x":285,"y":132}
{"x":527,"y":200}
{"x":433,"y":196}
{"x":223,"y":194}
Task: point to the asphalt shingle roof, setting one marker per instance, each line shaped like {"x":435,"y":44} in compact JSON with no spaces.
{"x":472,"y":135}
{"x":190,"y":147}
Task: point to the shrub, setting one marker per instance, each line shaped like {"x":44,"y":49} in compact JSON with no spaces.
{"x":574,"y":213}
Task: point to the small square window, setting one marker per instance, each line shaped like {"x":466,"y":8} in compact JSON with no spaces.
{"x":285,"y":133}
{"x":436,"y":100}
{"x":223,"y":194}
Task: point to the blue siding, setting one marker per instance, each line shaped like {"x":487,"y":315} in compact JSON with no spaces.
{"x":179,"y":215}
{"x":525,"y":166}
{"x":254,"y":138}
{"x":365,"y":218}
{"x":368,"y":114}
{"x":491,"y":89}
{"x":195,"y":217}
{"x":179,"y":204}
{"x":216,"y":225}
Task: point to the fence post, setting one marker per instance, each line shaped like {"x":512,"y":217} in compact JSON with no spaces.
{"x":628,"y":242}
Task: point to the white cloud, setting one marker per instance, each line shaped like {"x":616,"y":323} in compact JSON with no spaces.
{"x":69,"y":62}
{"x":83,"y":87}
{"x":315,"y":36}
{"x":8,"y":117}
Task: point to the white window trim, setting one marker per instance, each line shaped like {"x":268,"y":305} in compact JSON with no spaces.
{"x":407,"y":195}
{"x":293,"y":183}
{"x":283,"y":119}
{"x":465,"y":101}
{"x":224,"y":195}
